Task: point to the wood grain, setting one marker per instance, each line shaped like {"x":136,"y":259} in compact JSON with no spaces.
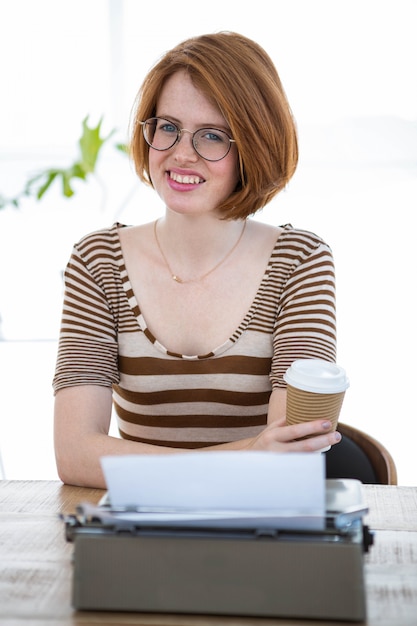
{"x":36,"y":570}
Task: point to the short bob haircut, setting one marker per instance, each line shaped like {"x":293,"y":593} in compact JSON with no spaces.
{"x":238,"y":76}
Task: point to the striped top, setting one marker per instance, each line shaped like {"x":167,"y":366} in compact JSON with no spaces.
{"x":186,"y":401}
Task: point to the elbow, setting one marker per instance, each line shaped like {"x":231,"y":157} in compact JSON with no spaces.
{"x":70,"y":469}
{"x":77,"y":468}
{"x":65,"y":470}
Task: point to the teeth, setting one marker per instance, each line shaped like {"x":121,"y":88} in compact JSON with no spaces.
{"x":186,"y":180}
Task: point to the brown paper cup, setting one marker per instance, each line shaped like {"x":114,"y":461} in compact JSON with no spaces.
{"x":304,"y":406}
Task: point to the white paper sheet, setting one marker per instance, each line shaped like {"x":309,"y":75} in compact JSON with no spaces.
{"x":286,"y":489}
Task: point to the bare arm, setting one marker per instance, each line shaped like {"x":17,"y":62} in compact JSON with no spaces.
{"x":81,"y":426}
{"x":82,"y":421}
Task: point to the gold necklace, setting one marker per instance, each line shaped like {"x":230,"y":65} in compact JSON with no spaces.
{"x":195,"y":280}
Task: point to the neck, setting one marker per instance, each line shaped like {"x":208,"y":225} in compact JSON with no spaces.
{"x":192,"y":253}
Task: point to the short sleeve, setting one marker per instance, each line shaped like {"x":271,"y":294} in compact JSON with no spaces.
{"x":306,"y":318}
{"x":87,"y":350}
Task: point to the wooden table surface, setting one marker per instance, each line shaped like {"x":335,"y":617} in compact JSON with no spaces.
{"x":36,"y":570}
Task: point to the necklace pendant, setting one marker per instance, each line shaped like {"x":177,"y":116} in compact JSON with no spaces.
{"x":176,"y":278}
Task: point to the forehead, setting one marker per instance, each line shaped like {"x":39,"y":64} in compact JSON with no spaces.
{"x":182,"y":100}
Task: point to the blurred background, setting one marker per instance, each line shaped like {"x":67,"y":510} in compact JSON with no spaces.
{"x":348,"y":67}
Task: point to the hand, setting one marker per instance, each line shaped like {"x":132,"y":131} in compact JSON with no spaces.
{"x":278,"y":437}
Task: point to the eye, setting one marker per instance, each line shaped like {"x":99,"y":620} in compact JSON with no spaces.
{"x":212,"y":135}
{"x":167,"y":127}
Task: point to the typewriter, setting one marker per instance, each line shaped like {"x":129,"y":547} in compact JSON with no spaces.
{"x":194,"y":562}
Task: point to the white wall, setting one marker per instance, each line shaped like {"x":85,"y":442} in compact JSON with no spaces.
{"x":348,"y":68}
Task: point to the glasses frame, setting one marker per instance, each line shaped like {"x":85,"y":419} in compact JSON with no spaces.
{"x":185,"y":130}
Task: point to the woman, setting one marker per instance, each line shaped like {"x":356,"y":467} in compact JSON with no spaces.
{"x":188,"y":324}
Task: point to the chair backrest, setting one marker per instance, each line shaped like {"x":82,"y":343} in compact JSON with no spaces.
{"x":360,"y":456}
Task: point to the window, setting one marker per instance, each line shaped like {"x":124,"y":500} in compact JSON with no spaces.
{"x":348,"y":69}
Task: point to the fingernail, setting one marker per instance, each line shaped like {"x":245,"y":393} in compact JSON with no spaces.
{"x":337,"y":436}
{"x":326,"y":425}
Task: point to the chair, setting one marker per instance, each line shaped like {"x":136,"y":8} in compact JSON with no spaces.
{"x":360,"y":456}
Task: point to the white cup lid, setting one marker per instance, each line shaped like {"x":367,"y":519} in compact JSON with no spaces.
{"x":316,"y":375}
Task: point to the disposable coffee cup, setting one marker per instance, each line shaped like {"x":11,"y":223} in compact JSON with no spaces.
{"x":315,"y":390}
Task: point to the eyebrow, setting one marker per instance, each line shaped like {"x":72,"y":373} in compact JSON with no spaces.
{"x":176,"y":121}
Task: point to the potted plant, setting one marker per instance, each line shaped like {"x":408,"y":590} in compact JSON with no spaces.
{"x":90,"y":145}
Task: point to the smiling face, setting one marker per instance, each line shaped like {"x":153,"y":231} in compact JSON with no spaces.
{"x":186,"y":182}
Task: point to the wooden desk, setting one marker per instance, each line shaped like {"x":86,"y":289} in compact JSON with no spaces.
{"x":36,"y":571}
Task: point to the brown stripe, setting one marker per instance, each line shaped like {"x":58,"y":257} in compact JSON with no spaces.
{"x":186,"y":445}
{"x":191,"y":421}
{"x":146,"y":366}
{"x":211,"y":396}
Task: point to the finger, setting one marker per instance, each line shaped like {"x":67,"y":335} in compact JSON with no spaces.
{"x":304,"y":429}
{"x":309,"y":427}
{"x":314,"y":444}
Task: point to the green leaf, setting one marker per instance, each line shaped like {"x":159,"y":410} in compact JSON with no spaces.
{"x":90,"y":145}
{"x":67,"y":190}
{"x":122,"y":147}
{"x":77,"y":171}
{"x":49,"y":176}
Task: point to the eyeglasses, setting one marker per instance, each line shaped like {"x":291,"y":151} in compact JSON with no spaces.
{"x":211,"y":144}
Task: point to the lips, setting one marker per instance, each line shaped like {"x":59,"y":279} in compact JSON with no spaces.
{"x":185,"y":179}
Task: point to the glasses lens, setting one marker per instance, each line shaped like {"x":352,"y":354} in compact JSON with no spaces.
{"x":212,"y":144}
{"x":160,"y":134}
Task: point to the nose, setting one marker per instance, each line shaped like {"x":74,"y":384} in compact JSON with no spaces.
{"x":184,"y":148}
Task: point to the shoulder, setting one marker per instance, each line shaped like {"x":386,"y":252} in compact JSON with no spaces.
{"x":105,"y":236}
{"x":300,"y":245}
{"x":301,"y":238}
{"x":297,"y":249}
{"x":100,"y":244}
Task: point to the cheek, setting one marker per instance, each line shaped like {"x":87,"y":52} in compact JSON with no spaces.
{"x":157,"y":165}
{"x":153,"y":163}
{"x":230,"y":173}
